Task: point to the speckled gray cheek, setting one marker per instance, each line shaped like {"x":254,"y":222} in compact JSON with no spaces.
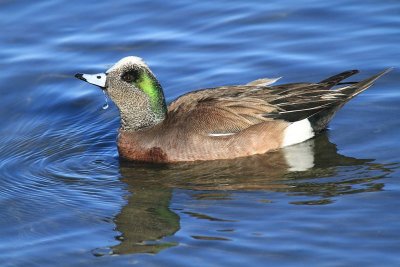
{"x":133,"y":104}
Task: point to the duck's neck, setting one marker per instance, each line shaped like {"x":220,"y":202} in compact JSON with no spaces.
{"x":147,"y":114}
{"x":134,"y":120}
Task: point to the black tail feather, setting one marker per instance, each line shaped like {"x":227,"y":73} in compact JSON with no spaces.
{"x":320,"y":120}
{"x":334,"y":80}
{"x":317,"y":102}
{"x":357,"y":88}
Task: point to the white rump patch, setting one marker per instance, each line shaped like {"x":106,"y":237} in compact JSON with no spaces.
{"x":300,"y":157}
{"x":128,"y":61}
{"x":297,"y":132}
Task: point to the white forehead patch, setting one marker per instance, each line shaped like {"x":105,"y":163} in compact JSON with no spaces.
{"x":128,"y":61}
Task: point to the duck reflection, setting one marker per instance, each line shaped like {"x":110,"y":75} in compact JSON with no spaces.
{"x":313,"y":168}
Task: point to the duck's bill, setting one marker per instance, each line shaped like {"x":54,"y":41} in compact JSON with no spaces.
{"x":98,"y":79}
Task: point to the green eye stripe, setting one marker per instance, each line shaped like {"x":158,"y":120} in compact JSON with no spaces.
{"x":151,"y":87}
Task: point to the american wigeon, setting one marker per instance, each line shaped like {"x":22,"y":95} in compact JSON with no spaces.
{"x":219,"y":123}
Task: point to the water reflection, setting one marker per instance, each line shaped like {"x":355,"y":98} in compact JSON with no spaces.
{"x":313,"y":169}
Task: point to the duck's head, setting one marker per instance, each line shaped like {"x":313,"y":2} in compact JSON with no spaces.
{"x":134,"y":89}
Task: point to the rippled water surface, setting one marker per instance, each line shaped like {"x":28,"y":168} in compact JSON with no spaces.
{"x":67,"y":199}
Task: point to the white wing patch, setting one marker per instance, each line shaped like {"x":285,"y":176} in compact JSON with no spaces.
{"x":263,"y":81}
{"x":332,"y":96}
{"x":297,"y":132}
{"x":220,"y":134}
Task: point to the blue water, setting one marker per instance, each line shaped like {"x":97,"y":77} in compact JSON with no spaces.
{"x":67,"y":200}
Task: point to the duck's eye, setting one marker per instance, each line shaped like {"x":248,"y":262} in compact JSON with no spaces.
{"x":128,"y":77}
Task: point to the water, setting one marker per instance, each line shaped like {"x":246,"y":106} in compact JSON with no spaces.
{"x":67,"y":200}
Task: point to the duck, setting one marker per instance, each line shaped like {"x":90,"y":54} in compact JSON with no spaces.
{"x":218,"y":123}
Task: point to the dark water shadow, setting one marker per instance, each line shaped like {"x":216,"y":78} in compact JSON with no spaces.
{"x":313,"y":169}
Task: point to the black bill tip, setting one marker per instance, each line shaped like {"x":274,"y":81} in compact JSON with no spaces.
{"x":80,"y":77}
